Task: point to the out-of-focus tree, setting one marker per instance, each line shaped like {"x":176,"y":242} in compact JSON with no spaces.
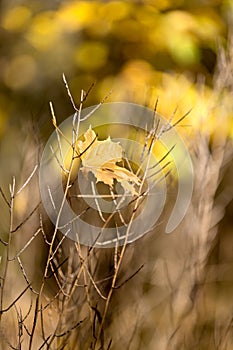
{"x":122,"y":45}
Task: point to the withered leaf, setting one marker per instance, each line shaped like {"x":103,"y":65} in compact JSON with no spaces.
{"x":100,"y":157}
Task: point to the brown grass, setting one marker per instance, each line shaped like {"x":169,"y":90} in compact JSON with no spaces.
{"x":160,"y":292}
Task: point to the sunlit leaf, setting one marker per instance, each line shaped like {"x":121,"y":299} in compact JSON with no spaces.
{"x":100,"y":157}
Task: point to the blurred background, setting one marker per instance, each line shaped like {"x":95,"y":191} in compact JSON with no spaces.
{"x":138,"y":49}
{"x":172,"y":50}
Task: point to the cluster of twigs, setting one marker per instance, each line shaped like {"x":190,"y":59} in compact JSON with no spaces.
{"x":68,"y":306}
{"x":71,"y":302}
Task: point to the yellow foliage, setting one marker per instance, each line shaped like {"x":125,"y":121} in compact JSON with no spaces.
{"x":209,"y":24}
{"x":43,"y":32}
{"x":91,"y":55}
{"x":17,"y":18}
{"x":20,"y":72}
{"x":140,"y":50}
{"x":210,"y":111}
{"x":114,"y":10}
{"x":73,"y":16}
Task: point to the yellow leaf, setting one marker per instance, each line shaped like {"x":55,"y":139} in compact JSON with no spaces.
{"x":100,"y":157}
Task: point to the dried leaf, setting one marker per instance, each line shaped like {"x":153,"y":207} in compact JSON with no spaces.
{"x":100,"y":157}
